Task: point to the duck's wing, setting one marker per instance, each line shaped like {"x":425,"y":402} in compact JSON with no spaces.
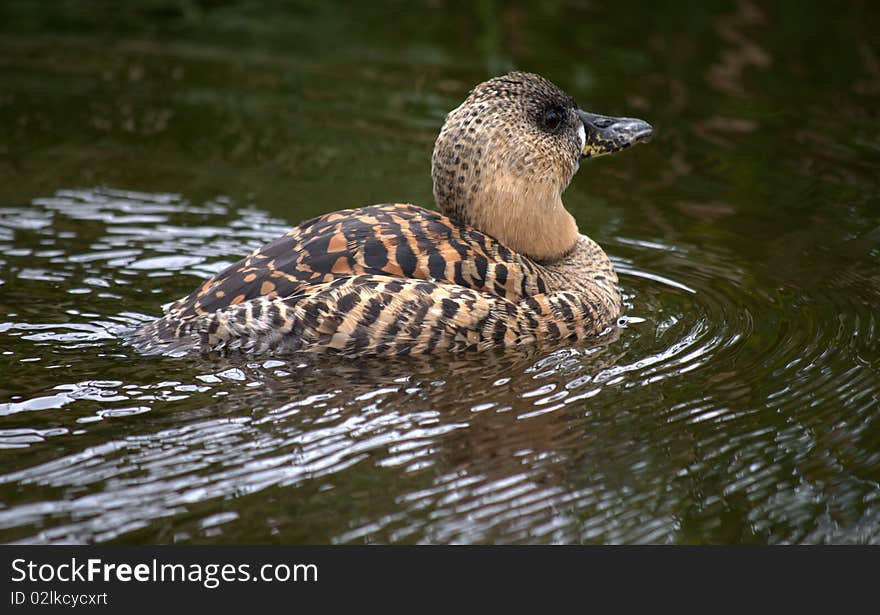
{"x":398,"y":240}
{"x":384,"y":316}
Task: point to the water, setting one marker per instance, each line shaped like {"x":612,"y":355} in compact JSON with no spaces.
{"x":150,"y":145}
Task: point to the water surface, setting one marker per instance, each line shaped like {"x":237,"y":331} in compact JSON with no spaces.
{"x":151,"y":144}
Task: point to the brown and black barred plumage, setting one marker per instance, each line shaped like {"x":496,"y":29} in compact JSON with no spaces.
{"x":506,"y":266}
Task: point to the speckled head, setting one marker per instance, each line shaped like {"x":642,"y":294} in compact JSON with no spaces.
{"x":506,"y":154}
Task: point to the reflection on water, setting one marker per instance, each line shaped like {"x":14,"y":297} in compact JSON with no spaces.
{"x":740,"y":52}
{"x":739,"y":402}
{"x":697,"y":423}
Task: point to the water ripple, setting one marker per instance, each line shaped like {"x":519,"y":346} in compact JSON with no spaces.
{"x":727,"y":408}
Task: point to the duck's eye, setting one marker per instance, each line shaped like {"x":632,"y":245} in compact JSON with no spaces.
{"x":551,"y":118}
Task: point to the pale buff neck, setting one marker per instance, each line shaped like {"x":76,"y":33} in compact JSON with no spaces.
{"x":527,"y":217}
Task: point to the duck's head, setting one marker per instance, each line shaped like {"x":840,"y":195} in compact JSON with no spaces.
{"x":506,"y":154}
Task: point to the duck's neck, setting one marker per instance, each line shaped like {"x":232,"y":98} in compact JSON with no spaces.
{"x":528,"y":218}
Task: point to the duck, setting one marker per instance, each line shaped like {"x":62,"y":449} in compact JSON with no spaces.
{"x":502,"y":264}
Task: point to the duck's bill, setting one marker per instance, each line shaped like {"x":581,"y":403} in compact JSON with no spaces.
{"x":606,"y":135}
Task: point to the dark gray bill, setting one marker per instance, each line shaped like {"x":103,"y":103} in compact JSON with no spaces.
{"x":606,"y":135}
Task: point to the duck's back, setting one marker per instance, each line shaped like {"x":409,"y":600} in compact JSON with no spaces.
{"x":396,"y":240}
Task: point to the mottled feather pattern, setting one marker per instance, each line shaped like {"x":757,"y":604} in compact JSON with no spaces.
{"x":445,"y":298}
{"x":378,"y":315}
{"x":398,"y":240}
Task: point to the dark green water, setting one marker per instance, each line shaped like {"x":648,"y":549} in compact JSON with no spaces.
{"x":147,"y":144}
